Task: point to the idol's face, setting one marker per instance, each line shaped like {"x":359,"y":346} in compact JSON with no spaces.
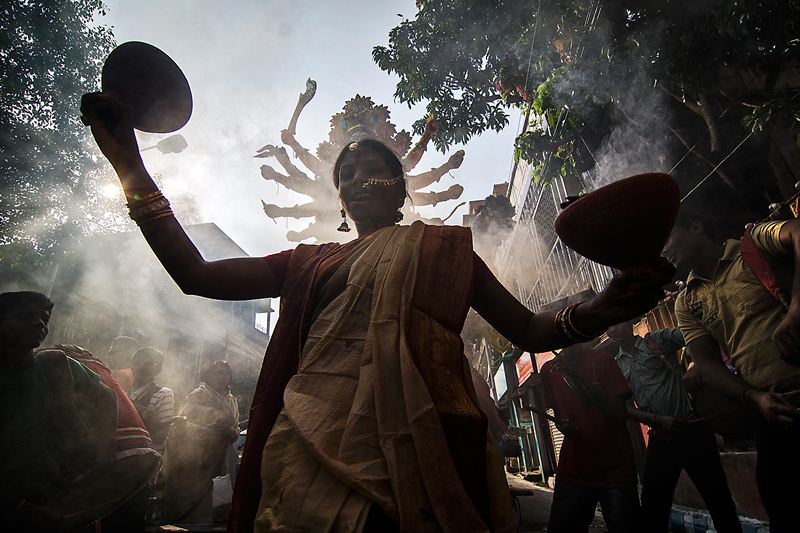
{"x":368,"y":205}
{"x":25,"y":328}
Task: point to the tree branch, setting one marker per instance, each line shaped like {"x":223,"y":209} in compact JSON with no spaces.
{"x":721,"y":173}
{"x":703,"y":109}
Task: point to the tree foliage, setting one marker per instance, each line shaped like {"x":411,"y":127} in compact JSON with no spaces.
{"x":450,"y":56}
{"x":706,"y":72}
{"x":51,"y":53}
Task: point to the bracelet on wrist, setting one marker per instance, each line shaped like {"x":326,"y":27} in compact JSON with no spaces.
{"x":149,"y":207}
{"x":566,"y":327}
{"x":582,"y":335}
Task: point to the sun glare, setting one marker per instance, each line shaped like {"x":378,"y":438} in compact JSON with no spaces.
{"x":110,"y":190}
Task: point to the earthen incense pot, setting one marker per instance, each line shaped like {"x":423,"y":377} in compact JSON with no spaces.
{"x":624,"y":224}
{"x":146,"y":79}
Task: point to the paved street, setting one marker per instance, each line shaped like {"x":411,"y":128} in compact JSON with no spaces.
{"x":535,"y":509}
{"x":534,"y":506}
{"x":535,"y":501}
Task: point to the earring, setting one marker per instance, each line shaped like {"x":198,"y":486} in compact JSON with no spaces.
{"x":343,"y":226}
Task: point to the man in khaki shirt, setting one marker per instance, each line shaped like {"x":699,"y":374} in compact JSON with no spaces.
{"x":725,"y":307}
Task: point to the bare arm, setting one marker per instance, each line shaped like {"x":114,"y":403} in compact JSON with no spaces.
{"x":705,"y":353}
{"x":531,"y":332}
{"x":418,"y":181}
{"x":307,"y":158}
{"x":229,"y":279}
{"x":787,"y":334}
{"x":414,"y":155}
{"x":628,"y":295}
{"x":662,"y":423}
{"x":790,"y":239}
{"x":643,"y":417}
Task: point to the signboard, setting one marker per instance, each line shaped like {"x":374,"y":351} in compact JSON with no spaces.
{"x":542,"y":358}
{"x":500,"y":384}
{"x":524,"y":367}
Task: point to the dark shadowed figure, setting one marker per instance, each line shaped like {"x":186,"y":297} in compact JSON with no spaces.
{"x":127,"y":479}
{"x":118,"y":359}
{"x":587,"y":392}
{"x":197,"y":446}
{"x":58,"y":425}
{"x":155,"y":404}
{"x":727,"y":306}
{"x":651,"y":368}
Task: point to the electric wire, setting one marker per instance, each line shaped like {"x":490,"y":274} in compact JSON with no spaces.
{"x":718,"y":165}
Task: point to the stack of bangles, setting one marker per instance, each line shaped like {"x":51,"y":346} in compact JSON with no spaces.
{"x":566,"y":327}
{"x":149,"y":207}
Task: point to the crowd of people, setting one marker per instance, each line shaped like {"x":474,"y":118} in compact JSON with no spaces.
{"x":86,"y":451}
{"x":97,"y":439}
{"x":731,"y":367}
{"x":366,"y":416}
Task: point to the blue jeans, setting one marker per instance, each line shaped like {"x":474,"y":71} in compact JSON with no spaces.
{"x":573,"y":507}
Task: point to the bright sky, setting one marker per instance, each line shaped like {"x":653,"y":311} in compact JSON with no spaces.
{"x":247,"y":62}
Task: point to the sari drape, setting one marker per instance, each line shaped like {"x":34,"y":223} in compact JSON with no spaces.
{"x":382,"y":411}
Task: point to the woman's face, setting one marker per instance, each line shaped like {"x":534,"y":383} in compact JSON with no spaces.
{"x":371,"y":206}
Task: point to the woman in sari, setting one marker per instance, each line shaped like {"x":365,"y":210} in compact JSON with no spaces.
{"x":364,"y":417}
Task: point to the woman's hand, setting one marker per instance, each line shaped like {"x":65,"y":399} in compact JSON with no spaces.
{"x":112,"y":128}
{"x":629,"y":294}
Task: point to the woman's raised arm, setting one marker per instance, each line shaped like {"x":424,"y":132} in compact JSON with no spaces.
{"x":229,"y":279}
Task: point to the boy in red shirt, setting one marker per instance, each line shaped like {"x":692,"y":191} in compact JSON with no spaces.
{"x":588,"y":394}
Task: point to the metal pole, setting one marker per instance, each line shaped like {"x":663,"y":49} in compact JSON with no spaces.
{"x":536,"y":442}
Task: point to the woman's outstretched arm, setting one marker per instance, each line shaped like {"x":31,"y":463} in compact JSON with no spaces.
{"x":629,"y":294}
{"x":229,"y":279}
